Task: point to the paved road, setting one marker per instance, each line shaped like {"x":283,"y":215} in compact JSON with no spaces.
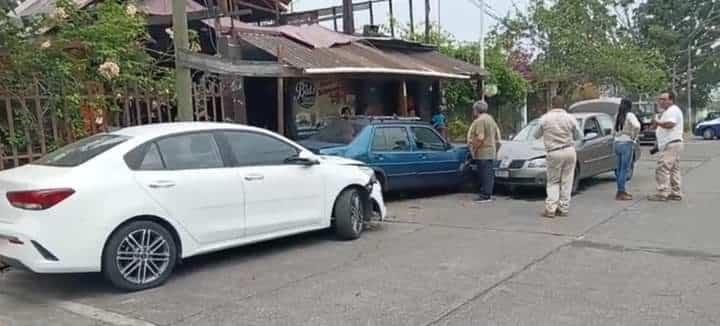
{"x":440,"y":260}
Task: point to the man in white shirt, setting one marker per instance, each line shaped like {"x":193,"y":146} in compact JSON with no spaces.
{"x":670,"y":144}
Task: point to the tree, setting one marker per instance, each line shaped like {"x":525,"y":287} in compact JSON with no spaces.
{"x":583,"y":42}
{"x":64,"y":52}
{"x":673,"y":27}
{"x":500,"y":64}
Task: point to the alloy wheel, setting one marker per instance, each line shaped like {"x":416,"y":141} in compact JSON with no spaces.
{"x":143,"y":256}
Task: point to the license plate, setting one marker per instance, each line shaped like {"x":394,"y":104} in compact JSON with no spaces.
{"x":502,"y":174}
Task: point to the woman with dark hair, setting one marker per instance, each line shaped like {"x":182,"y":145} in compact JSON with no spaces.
{"x":627,"y":129}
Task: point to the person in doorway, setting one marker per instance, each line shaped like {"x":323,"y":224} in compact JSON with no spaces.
{"x":345,"y":113}
{"x":439,"y":122}
{"x":483,"y":140}
{"x":670,"y":145}
{"x":627,"y":129}
{"x":559,"y":131}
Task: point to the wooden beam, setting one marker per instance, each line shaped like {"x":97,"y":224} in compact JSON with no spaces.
{"x":281,"y":106}
{"x":243,"y":68}
{"x":403,"y":109}
{"x":196,"y":16}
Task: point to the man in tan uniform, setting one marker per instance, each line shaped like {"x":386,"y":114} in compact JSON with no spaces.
{"x":559,"y":131}
{"x":483,"y":140}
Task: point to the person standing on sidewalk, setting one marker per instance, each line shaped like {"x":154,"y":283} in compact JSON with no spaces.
{"x":627,"y":129}
{"x":483,"y":140}
{"x":670,"y":144}
{"x":559,"y":131}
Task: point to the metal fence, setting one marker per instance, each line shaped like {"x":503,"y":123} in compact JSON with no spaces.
{"x":31,"y":126}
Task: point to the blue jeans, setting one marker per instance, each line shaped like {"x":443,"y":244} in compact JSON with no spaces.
{"x":624,"y":152}
{"x":486,"y":177}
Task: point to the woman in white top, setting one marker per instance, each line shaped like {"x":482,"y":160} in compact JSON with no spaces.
{"x":627,"y":129}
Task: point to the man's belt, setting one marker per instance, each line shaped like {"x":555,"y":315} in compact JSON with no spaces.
{"x":672,"y":142}
{"x":559,"y":148}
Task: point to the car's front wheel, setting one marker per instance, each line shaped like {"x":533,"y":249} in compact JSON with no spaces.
{"x":349,"y":214}
{"x":709,"y":134}
{"x":139,"y":256}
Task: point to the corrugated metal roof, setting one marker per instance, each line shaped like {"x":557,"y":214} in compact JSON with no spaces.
{"x":315,"y":36}
{"x":359,"y":57}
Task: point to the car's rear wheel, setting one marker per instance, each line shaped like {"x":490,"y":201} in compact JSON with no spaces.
{"x":349,"y":214}
{"x":576,"y":180}
{"x":139,"y":256}
{"x":708,"y":134}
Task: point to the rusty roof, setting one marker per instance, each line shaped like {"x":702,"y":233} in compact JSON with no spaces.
{"x":359,"y":57}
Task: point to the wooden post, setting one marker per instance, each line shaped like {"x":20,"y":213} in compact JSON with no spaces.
{"x":392,"y":19}
{"x":334,"y":13}
{"x":280,"y":106}
{"x":183,"y":80}
{"x":348,"y":17}
{"x":403,"y":110}
{"x":412,"y":18}
{"x":427,"y":21}
{"x":372,"y":15}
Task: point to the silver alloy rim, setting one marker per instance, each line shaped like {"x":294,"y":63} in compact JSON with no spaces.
{"x":356,"y":215}
{"x":143,"y":256}
{"x":708,"y":133}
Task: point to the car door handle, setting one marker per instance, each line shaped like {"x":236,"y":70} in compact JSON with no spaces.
{"x":162,"y":184}
{"x":254,"y":177}
{"x":379,"y":157}
{"x":423,"y":156}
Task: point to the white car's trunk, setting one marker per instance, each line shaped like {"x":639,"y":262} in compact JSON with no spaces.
{"x":27,"y":177}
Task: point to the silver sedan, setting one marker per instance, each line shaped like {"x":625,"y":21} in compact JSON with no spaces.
{"x":521,"y":161}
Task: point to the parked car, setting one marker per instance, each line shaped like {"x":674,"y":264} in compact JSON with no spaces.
{"x":521,"y":162}
{"x":708,"y":128}
{"x":134,"y":202}
{"x":405,"y":153}
{"x":610,"y":105}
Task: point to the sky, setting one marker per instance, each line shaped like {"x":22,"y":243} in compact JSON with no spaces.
{"x":459,"y":17}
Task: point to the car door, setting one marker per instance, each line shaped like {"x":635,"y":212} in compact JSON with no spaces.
{"x":607,"y":156}
{"x":279,"y":196}
{"x":438,"y":162}
{"x":187,"y":176}
{"x":390,"y":151}
{"x":593,"y":144}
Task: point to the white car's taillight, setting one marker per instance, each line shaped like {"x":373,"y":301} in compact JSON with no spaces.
{"x":38,"y":199}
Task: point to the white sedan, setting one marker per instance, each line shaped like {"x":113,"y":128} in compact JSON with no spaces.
{"x":132,"y":203}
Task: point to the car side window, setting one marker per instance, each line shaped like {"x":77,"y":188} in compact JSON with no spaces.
{"x":607,"y":124}
{"x":252,"y":149}
{"x":427,"y":140}
{"x":390,"y":139}
{"x":190,"y":151}
{"x":152,"y":159}
{"x":591,"y":126}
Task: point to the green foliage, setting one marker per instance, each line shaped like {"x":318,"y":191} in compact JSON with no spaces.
{"x":581,"y":41}
{"x":673,"y":26}
{"x":63,"y":53}
{"x":460,"y":95}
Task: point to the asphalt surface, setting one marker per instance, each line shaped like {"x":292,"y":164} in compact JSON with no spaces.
{"x":441,"y":259}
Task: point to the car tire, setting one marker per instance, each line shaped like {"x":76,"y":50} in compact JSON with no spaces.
{"x":349,"y":214}
{"x":576,"y":180}
{"x":708,"y":134}
{"x":136,"y":250}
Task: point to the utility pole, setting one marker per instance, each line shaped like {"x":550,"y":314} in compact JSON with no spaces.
{"x":183,"y":81}
{"x":392,"y":19}
{"x":348,"y":17}
{"x":689,"y":87}
{"x":427,"y":21}
{"x":482,"y":34}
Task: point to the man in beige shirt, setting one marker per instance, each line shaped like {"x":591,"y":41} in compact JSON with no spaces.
{"x":559,"y":131}
{"x":483,"y":140}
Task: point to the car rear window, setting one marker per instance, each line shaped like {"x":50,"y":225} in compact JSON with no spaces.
{"x":81,"y":151}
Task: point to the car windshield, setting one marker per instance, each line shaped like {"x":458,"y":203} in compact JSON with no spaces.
{"x":82,"y":151}
{"x":339,"y":131}
{"x":527,"y":134}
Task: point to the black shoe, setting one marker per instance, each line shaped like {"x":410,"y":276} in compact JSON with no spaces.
{"x":483,"y":199}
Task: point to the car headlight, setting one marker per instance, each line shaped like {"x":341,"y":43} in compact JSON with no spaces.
{"x":537,"y":163}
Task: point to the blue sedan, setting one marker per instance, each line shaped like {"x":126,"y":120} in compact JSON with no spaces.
{"x":407,"y":154}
